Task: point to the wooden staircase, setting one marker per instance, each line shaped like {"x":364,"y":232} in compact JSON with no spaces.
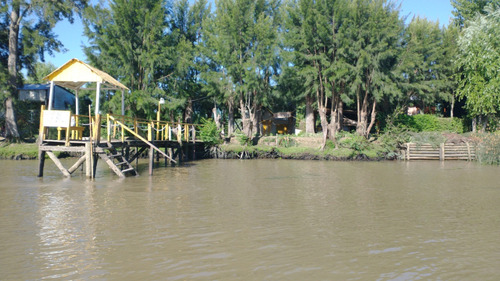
{"x":116,"y":161}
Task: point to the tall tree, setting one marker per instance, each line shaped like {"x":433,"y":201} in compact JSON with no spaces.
{"x":421,"y":61}
{"x":242,"y":46}
{"x":185,"y":41}
{"x":374,"y":31}
{"x":479,"y":63}
{"x":30,"y":25}
{"x":311,"y":28}
{"x":128,"y":40}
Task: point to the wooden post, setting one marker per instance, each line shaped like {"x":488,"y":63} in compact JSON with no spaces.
{"x":166,"y":152}
{"x":408,"y":151}
{"x":468,"y":152}
{"x":151,"y":160}
{"x":441,"y":152}
{"x":41,"y":132}
{"x":58,"y":164}
{"x":41,"y":162}
{"x":88,"y":160}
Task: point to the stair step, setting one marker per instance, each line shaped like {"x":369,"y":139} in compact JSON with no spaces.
{"x":128,"y":170}
{"x":121,"y":163}
{"x":115,"y":155}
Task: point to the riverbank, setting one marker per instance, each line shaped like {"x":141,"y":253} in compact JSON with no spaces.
{"x":18,"y":151}
{"x":348,"y":147}
{"x":305,"y":148}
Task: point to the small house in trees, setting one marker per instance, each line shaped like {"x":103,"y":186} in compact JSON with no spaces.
{"x":39,"y":93}
{"x":280,"y":123}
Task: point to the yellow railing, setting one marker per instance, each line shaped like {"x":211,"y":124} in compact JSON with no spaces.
{"x":149,"y":129}
{"x":118,"y":127}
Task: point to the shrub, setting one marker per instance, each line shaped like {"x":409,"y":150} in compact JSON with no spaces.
{"x":429,"y":123}
{"x":244,"y":139}
{"x":353,"y":141}
{"x":488,"y":149}
{"x":209,"y":132}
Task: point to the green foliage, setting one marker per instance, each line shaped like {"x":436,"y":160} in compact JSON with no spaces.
{"x":394,"y":136}
{"x":423,"y":65}
{"x":429,"y":123}
{"x":209,"y":132}
{"x":466,"y":10}
{"x":433,"y":138}
{"x":353,"y":141}
{"x":285,"y":141}
{"x":488,"y":149}
{"x":479,"y":62}
{"x":18,"y":150}
{"x":243,"y":139}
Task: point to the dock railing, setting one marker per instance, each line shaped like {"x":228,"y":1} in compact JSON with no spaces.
{"x":123,"y":127}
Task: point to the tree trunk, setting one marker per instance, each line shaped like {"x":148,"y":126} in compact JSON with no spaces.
{"x":256,"y":120}
{"x":373,"y":117}
{"x":230,"y":117}
{"x":452,"y":106}
{"x":11,"y":130}
{"x":245,"y":119}
{"x":362,"y":109}
{"x":216,"y":117}
{"x":474,"y":124}
{"x":309,"y":115}
{"x":188,"y":113}
{"x":334,"y":118}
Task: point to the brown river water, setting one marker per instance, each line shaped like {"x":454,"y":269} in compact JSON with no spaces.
{"x":253,"y":220}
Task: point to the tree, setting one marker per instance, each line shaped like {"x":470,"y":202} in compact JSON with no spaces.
{"x":421,"y":61}
{"x":310,"y":35}
{"x":30,"y":25}
{"x":40,"y":70}
{"x":185,"y":41}
{"x":241,"y":46}
{"x":129,"y":40}
{"x":465,"y":10}
{"x":479,"y":64}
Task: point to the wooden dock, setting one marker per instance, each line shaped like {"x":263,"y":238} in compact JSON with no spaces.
{"x":125,"y":140}
{"x":445,"y":151}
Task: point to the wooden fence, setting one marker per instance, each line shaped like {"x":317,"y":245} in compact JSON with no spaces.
{"x":445,"y":151}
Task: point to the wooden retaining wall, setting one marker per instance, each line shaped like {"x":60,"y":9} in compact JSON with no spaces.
{"x":445,"y":151}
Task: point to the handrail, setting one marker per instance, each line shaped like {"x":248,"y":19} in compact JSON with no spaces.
{"x":139,"y":137}
{"x":158,"y":129}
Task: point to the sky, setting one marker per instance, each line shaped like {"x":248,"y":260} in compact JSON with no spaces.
{"x":71,"y":35}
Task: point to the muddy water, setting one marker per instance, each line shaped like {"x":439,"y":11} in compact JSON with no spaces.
{"x":253,"y":220}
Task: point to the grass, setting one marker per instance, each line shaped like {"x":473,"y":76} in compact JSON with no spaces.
{"x":293,"y":149}
{"x":18,"y":151}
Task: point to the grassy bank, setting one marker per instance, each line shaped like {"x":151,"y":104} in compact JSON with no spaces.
{"x":18,"y":151}
{"x":291,"y":147}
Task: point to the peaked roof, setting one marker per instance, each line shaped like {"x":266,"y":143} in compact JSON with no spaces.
{"x":75,"y":73}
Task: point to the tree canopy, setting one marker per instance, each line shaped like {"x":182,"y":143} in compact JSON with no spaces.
{"x":344,"y":63}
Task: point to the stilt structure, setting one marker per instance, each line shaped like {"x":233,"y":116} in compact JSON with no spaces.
{"x":125,"y":140}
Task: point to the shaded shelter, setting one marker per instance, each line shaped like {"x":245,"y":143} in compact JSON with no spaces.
{"x":75,"y":74}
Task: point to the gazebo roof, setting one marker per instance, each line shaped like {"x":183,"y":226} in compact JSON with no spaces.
{"x":75,"y":73}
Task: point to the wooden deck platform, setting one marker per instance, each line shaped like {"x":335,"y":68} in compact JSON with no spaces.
{"x":125,"y":141}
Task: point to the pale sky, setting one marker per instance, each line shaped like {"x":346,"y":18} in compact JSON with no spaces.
{"x":71,"y":35}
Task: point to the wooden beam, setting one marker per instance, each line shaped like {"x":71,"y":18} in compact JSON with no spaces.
{"x":151,"y":160}
{"x":41,"y":162}
{"x":136,"y":155}
{"x":62,"y":148}
{"x":88,"y":160}
{"x":58,"y":164}
{"x":77,"y":164}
